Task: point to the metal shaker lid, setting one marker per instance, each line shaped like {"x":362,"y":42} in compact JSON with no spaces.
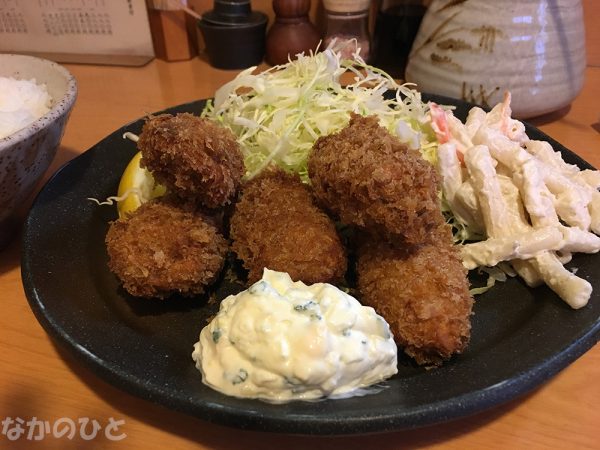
{"x":346,"y":6}
{"x":232,"y":13}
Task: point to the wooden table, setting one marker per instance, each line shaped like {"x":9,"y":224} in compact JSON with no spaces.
{"x":39,"y":379}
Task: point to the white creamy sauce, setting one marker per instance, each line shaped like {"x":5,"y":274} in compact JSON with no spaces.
{"x":281,"y":340}
{"x":21,"y":103}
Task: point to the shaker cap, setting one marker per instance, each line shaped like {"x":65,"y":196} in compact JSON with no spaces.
{"x":232,"y":13}
{"x":346,"y":6}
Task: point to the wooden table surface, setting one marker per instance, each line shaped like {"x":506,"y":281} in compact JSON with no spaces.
{"x":38,"y":379}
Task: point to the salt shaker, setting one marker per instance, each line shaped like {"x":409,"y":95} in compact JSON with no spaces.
{"x":347,"y":21}
{"x":292,"y":32}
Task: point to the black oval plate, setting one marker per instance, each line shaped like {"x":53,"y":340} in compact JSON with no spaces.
{"x":520,"y":337}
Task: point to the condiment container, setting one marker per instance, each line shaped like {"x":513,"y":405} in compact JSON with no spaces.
{"x":347,"y":21}
{"x":234,"y":34}
{"x":292,"y":32}
{"x":477,"y":50}
{"x":171,"y":29}
{"x":396,"y":27}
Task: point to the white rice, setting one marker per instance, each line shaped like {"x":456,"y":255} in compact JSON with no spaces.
{"x":21,"y":103}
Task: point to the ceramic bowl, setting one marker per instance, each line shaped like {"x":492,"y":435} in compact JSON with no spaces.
{"x":475,"y":50}
{"x":26,"y":154}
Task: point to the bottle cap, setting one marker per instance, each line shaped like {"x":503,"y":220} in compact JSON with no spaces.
{"x":346,"y":6}
{"x":232,"y":13}
{"x":233,"y":7}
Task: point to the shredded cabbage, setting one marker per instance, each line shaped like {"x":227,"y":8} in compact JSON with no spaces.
{"x":496,"y":273}
{"x":461,"y":232}
{"x":278,"y":114}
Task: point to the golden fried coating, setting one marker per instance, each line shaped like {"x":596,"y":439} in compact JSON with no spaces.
{"x":276,"y":225}
{"x":194,"y":158}
{"x":422,"y":292}
{"x":159,"y":250}
{"x":214,"y":217}
{"x":368,"y":178}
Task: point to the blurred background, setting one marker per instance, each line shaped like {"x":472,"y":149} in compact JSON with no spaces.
{"x":132,"y":32}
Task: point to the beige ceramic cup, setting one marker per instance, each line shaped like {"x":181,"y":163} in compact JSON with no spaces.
{"x":475,"y":50}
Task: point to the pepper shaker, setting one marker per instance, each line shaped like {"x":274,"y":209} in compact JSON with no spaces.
{"x":292,"y":32}
{"x":348,"y":23}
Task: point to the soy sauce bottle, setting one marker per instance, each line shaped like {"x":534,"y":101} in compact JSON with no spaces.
{"x":396,"y":26}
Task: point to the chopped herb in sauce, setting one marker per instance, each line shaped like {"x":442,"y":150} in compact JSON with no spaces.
{"x":305,"y":307}
{"x":257,"y":287}
{"x":292,"y":381}
{"x":240,"y":377}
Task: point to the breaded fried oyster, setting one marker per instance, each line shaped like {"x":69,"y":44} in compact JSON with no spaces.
{"x":276,"y":225}
{"x":422,"y":292}
{"x":159,"y":250}
{"x":194,"y":158}
{"x":368,"y":178}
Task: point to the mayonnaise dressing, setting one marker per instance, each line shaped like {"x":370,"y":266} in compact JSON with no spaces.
{"x":281,"y":340}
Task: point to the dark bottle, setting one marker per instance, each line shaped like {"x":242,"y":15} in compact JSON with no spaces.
{"x":234,"y":34}
{"x":292,"y":32}
{"x":396,"y":26}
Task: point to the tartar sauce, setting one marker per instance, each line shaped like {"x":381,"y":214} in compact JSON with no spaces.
{"x":281,"y":340}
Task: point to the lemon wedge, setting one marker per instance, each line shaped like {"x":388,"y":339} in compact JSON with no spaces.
{"x":137,"y":186}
